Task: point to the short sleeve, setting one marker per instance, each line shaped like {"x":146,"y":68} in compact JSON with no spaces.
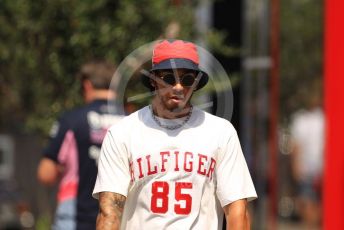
{"x":113,"y":167}
{"x":232,"y":175}
{"x":57,"y":136}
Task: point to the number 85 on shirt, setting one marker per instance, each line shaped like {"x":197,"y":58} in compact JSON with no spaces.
{"x":162,"y":195}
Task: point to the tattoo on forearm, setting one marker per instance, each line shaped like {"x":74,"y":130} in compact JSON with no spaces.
{"x":111,"y":208}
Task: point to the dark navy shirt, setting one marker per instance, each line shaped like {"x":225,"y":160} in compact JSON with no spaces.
{"x":75,"y":144}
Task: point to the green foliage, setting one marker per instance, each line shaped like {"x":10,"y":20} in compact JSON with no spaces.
{"x":43,"y":222}
{"x":301,"y":51}
{"x":42,"y":44}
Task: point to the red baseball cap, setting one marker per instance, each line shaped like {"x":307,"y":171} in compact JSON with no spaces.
{"x":176,"y":54}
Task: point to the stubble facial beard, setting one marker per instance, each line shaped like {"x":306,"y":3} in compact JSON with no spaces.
{"x":178,"y":111}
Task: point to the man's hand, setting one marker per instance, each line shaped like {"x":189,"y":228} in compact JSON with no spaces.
{"x":48,"y":172}
{"x":111,"y":207}
{"x":237,"y":215}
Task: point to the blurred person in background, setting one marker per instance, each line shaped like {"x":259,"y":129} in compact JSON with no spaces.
{"x":307,"y":132}
{"x":71,"y":156}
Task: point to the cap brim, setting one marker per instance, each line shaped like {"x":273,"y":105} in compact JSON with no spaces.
{"x":176,"y":63}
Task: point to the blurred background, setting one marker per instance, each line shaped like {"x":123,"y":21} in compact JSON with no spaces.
{"x":271,"y":50}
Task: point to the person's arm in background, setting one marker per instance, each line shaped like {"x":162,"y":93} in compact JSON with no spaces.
{"x":111,"y":207}
{"x":49,"y":168}
{"x":237,"y":215}
{"x":48,"y":172}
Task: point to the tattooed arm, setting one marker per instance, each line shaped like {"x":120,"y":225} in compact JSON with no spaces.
{"x":110,"y":211}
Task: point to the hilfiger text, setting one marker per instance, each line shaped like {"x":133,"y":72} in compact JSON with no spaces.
{"x":172,"y":160}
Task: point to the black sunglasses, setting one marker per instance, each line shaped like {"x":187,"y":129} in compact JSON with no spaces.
{"x":186,"y":79}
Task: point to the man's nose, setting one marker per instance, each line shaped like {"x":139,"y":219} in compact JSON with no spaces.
{"x":178,"y":86}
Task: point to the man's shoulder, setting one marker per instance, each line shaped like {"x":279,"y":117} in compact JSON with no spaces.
{"x":73,"y":113}
{"x":130,"y":120}
{"x":215,"y":121}
{"x":81,"y":113}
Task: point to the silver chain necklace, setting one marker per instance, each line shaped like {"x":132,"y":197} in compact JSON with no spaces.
{"x":170,"y":127}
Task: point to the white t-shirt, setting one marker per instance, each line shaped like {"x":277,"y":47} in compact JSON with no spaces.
{"x":174,"y":179}
{"x":307,"y":130}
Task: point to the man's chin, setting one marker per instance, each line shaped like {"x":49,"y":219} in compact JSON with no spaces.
{"x":176,"y":105}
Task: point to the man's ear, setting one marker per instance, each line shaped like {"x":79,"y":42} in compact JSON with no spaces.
{"x":88,"y":90}
{"x":87,"y":85}
{"x":153,"y":83}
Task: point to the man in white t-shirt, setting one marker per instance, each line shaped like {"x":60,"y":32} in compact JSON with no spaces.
{"x":171,"y":165}
{"x":307,"y":157}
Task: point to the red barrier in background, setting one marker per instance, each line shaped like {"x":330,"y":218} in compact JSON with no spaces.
{"x":333,"y":200}
{"x":273,"y":111}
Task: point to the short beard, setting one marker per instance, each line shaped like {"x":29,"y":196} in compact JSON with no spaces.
{"x":175,"y":111}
